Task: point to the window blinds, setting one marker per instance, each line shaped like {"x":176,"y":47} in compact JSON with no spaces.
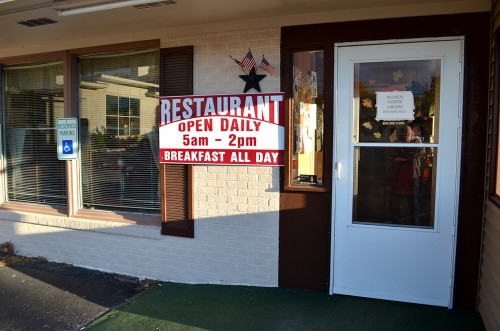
{"x":119,"y":134}
{"x":33,"y":101}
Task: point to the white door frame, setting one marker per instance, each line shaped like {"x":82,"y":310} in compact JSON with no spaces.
{"x":337,"y":171}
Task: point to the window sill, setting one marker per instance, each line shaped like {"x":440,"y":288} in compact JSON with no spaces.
{"x":135,"y":225}
{"x":34,"y":209}
{"x":120,"y":217}
{"x":305,"y":188}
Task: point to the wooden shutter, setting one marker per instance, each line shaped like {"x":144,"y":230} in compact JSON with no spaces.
{"x":176,"y":181}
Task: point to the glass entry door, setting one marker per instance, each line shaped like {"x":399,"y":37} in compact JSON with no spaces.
{"x":397,"y":134}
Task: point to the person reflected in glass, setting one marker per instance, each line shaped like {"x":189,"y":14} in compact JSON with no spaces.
{"x":407,"y":186}
{"x":414,"y":135}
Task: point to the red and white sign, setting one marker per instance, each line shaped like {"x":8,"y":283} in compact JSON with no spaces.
{"x":232,"y":129}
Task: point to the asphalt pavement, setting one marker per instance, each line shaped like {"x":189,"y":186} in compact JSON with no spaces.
{"x":56,"y":296}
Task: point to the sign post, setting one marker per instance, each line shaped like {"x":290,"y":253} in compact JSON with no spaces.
{"x":67,"y":139}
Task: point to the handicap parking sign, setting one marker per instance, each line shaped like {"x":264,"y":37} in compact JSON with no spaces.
{"x":67,"y":138}
{"x":67,"y":147}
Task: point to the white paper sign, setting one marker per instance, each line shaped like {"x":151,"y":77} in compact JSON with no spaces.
{"x":395,"y":106}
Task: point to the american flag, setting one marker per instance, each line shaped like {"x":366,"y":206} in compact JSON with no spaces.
{"x":237,"y":62}
{"x":266,"y":66}
{"x":248,"y":61}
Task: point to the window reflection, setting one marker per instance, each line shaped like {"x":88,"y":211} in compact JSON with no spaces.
{"x":119,"y":153}
{"x":396,"y":109}
{"x":307,"y":112}
{"x":33,"y":101}
{"x":418,"y":79}
{"x":395,"y":186}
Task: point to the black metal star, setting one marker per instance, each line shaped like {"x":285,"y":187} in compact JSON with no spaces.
{"x":252,"y":80}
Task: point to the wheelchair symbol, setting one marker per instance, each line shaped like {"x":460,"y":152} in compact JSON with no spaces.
{"x":67,"y":146}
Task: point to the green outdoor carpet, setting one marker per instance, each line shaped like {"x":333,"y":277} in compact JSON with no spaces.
{"x":169,"y":306}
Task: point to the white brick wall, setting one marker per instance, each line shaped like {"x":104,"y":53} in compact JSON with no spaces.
{"x":236,"y":207}
{"x":216,"y":73}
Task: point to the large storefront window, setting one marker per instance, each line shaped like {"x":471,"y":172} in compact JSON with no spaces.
{"x":119,"y":152}
{"x":307,"y":118}
{"x":33,"y":101}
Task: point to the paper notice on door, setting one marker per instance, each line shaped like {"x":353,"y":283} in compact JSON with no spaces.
{"x":394,"y":106}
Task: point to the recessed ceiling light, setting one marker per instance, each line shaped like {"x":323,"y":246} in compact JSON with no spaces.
{"x":64,"y":10}
{"x":155,"y":4}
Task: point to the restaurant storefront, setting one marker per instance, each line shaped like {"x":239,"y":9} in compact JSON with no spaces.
{"x":380,"y":181}
{"x":381,"y":193}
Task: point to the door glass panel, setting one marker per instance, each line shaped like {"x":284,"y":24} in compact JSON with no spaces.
{"x":390,"y":96}
{"x":394,"y":186}
{"x":396,"y":108}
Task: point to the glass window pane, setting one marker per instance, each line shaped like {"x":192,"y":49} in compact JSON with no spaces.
{"x":307,"y":112}
{"x":394,"y":186}
{"x":134,"y":107}
{"x":111,"y":105}
{"x":124,"y":126}
{"x":119,"y":153}
{"x":390,"y":96}
{"x":135,"y":126}
{"x":33,"y":101}
{"x":124,"y":106}
{"x":111,"y":126}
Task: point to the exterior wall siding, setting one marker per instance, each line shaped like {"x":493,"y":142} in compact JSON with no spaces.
{"x":489,"y":283}
{"x":236,"y":207}
{"x":489,"y":293}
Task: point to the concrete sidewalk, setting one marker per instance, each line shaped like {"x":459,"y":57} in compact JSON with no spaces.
{"x":37,"y":295}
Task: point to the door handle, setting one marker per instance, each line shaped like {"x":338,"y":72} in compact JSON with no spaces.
{"x":338,"y":170}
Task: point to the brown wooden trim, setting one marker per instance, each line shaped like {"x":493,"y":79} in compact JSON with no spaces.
{"x":71,"y":110}
{"x":176,"y":181}
{"x":180,"y":225}
{"x":287,"y":51}
{"x":183,"y":83}
{"x":306,"y":188}
{"x":495,"y":199}
{"x":305,"y":211}
{"x":70,"y":85}
{"x":104,"y":49}
{"x":42,"y":57}
{"x":116,"y":48}
{"x":304,"y":240}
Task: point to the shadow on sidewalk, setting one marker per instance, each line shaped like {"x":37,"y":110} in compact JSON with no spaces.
{"x":36,"y":294}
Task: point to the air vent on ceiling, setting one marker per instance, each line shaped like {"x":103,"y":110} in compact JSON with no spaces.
{"x":155,"y":4}
{"x":37,"y":22}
